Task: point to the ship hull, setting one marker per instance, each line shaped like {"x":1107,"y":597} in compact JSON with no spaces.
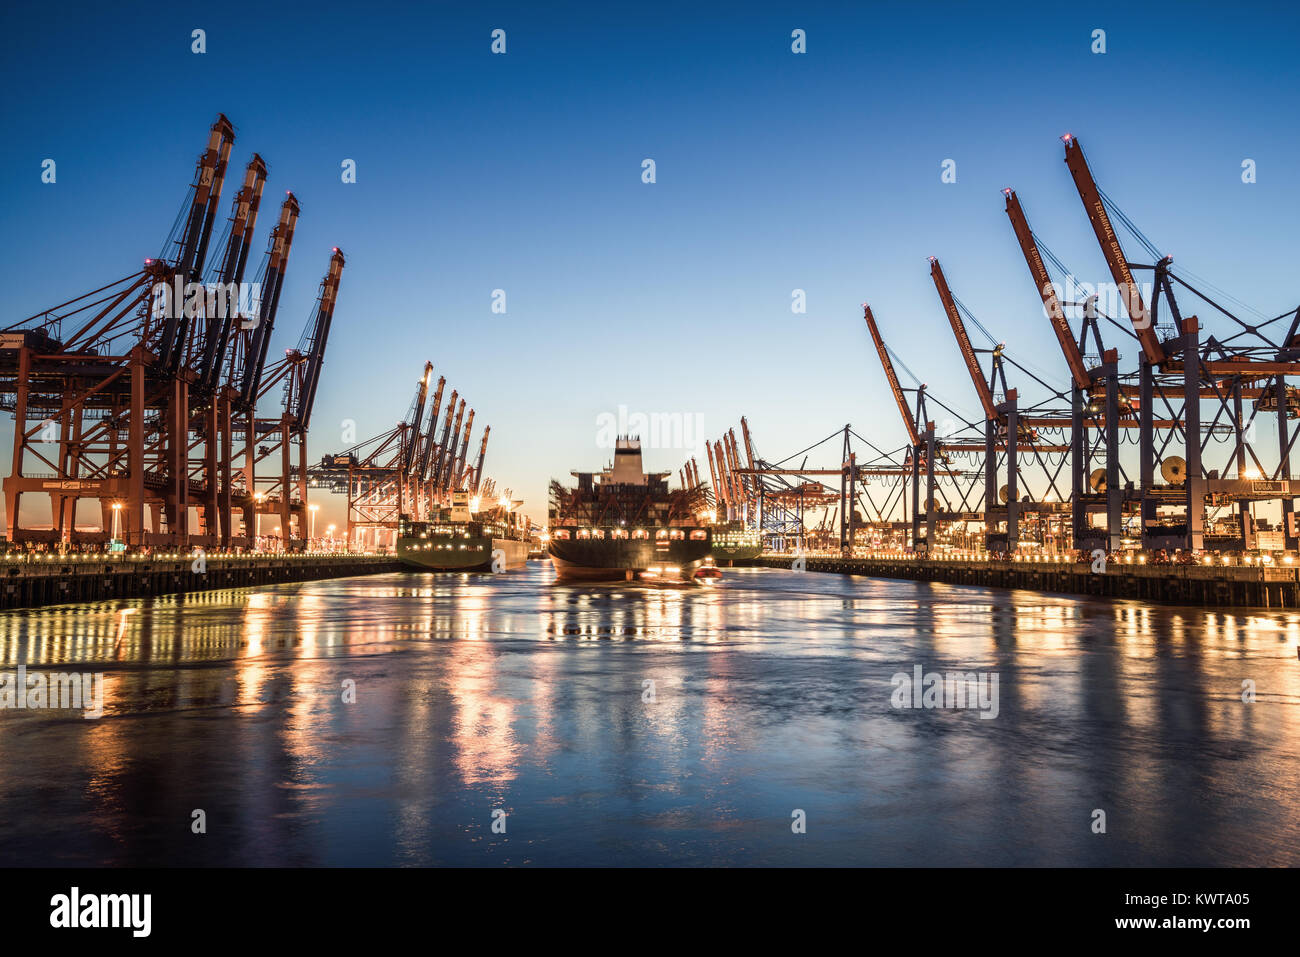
{"x":626,"y":559}
{"x":474,"y":554}
{"x":736,"y":553}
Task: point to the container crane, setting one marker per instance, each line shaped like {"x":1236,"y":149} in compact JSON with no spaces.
{"x":284,"y":493}
{"x":440,"y":463}
{"x":427,"y":444}
{"x":208,"y":179}
{"x":891,"y":376}
{"x":1084,"y":383}
{"x":243,"y":221}
{"x":478,"y":467}
{"x":1152,"y":351}
{"x":315,"y":358}
{"x":447,"y":480}
{"x":1000,"y":417}
{"x":458,"y":476}
{"x":258,"y":340}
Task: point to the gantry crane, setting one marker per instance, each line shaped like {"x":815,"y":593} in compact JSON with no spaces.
{"x":1155,"y":358}
{"x":1002,"y":423}
{"x":428,"y":443}
{"x":284,"y":493}
{"x":139,"y":391}
{"x":402,"y":473}
{"x":1101,"y":381}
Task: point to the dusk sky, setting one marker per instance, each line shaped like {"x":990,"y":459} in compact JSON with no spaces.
{"x":775,"y":171}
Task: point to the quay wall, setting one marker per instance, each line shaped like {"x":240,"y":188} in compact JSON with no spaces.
{"x":1253,"y":586}
{"x":32,"y":582}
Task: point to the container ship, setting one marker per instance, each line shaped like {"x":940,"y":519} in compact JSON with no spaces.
{"x":624,"y":524}
{"x":465,"y":538}
{"x":733,"y":542}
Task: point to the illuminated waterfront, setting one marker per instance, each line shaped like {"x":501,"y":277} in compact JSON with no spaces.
{"x":772,"y":692}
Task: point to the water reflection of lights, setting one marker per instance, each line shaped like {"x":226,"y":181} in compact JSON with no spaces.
{"x":483,"y":722}
{"x":631,"y":614}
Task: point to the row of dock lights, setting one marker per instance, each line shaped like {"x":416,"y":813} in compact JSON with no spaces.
{"x":1128,"y":558}
{"x":258,"y":497}
{"x":176,"y":556}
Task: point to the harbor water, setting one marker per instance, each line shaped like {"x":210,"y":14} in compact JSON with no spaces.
{"x":479,"y":719}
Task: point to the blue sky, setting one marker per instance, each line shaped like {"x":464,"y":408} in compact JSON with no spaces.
{"x":775,"y":171}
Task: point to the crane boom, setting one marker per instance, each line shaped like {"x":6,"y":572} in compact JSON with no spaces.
{"x":430,"y":439}
{"x":1043,"y":282}
{"x":749,"y":441}
{"x":243,"y":221}
{"x":414,"y":418}
{"x":733,"y":461}
{"x":482,"y":451}
{"x":713,"y":474}
{"x":458,"y":476}
{"x":723,"y":486}
{"x":1112,"y":250}
{"x":260,"y":341}
{"x":329,"y":290}
{"x":208,"y":179}
{"x":439,"y":464}
{"x":963,"y":339}
{"x":448,"y":476}
{"x":909,"y":422}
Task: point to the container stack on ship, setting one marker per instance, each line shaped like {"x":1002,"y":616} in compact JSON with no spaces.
{"x":623,"y":524}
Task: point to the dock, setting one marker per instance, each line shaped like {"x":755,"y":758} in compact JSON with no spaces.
{"x":38,"y":580}
{"x":1208,"y":585}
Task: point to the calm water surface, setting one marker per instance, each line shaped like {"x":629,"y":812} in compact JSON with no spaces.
{"x":480,"y":693}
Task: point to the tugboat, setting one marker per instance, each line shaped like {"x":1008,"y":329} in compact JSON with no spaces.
{"x":623,"y":524}
{"x":466,"y":537}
